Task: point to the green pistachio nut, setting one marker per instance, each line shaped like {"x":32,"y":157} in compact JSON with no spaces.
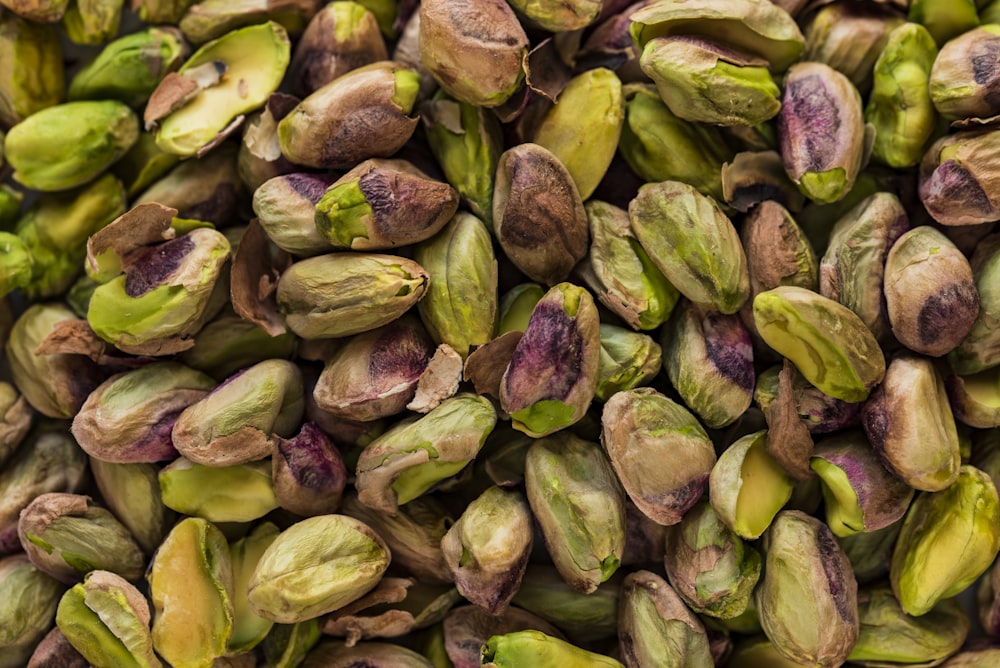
{"x":747,"y":487}
{"x":552,"y":376}
{"x":106,"y":619}
{"x":238,"y":493}
{"x":340,"y":37}
{"x":132,"y":493}
{"x":10,"y":201}
{"x":143,"y":164}
{"x":210,"y":19}
{"x":757,"y":176}
{"x":828,"y":343}
{"x":959,"y":86}
{"x":580,"y":507}
{"x":538,"y":214}
{"x":15,"y":263}
{"x":92,"y":22}
{"x":641,"y":425}
{"x":708,"y":358}
{"x":821,"y":131}
{"x":16,"y":417}
{"x":707,"y":82}
{"x":130,"y":68}
{"x":709,"y":566}
{"x":56,"y":385}
{"x":860,"y":494}
{"x":466,"y":140}
{"x":382,"y":204}
{"x":237,"y":421}
{"x":204,"y":189}
{"x":164,"y":295}
{"x":286,"y":208}
{"x":538,"y":649}
{"x":30,"y":601}
{"x":410,"y":459}
{"x":473,"y":50}
{"x":656,"y":628}
{"x":316,"y":566}
{"x":620,"y":273}
{"x":853,"y":267}
{"x":974,"y":398}
{"x":193,"y":109}
{"x":487,"y":548}
{"x":870,"y":553}
{"x":930,"y":292}
{"x":900,"y":106}
{"x":127,"y":419}
{"x":945,"y":20}
{"x":249,"y":630}
{"x":191,"y":587}
{"x":338,"y":655}
{"x":460,"y":307}
{"x":66,"y":536}
{"x":563,"y":128}
{"x":628,"y":360}
{"x":545,"y":593}
{"x":910,"y":424}
{"x":962,"y":163}
{"x":980,"y":349}
{"x":761,"y":28}
{"x":889,"y":635}
{"x":803,"y":563}
{"x":659,"y":146}
{"x":229,"y":343}
{"x":161,"y":11}
{"x":97,"y":134}
{"x":693,"y":243}
{"x":31,"y":68}
{"x":557,"y":16}
{"x":339,"y":294}
{"x":963,"y":517}
{"x":287,"y":645}
{"x":516,"y":306}
{"x":362,"y":114}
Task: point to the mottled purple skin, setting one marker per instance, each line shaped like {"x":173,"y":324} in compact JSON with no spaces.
{"x":9,"y":541}
{"x":674,"y":504}
{"x":151,"y":267}
{"x":840,"y":579}
{"x":311,"y":187}
{"x":399,"y":354}
{"x":956,"y":305}
{"x":313,"y":461}
{"x":829,"y":414}
{"x":728,"y":345}
{"x":547,"y":361}
{"x":219,"y":208}
{"x":156,"y":446}
{"x":809,"y":126}
{"x":984,"y":56}
{"x":953,"y":196}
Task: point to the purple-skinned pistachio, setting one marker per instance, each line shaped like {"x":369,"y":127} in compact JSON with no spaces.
{"x":641,"y":426}
{"x":910,"y":424}
{"x":860,"y":494}
{"x":963,"y":80}
{"x":375,"y":373}
{"x":308,"y":472}
{"x":467,"y":627}
{"x":552,"y":376}
{"x":821,"y":412}
{"x":286,"y":208}
{"x":958,"y":179}
{"x":708,"y":357}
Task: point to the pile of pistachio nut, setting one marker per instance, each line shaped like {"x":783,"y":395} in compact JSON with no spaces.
{"x":508,"y":333}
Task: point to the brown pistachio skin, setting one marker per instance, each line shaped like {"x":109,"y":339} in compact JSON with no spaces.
{"x":958,"y":178}
{"x":538,"y":214}
{"x":55,"y":651}
{"x":308,"y":472}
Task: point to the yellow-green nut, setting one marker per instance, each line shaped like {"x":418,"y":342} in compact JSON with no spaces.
{"x":870,"y":553}
{"x":249,"y":629}
{"x":930,"y":292}
{"x":248,"y":65}
{"x":382,"y":204}
{"x":556,"y":16}
{"x":408,"y":460}
{"x":640,"y":426}
{"x":340,"y":294}
{"x":487,"y":548}
{"x":229,"y":343}
{"x":362,"y":114}
{"x":552,"y":376}
{"x":580,"y":508}
{"x":106,"y":619}
{"x":628,"y":359}
{"x":92,"y":22}
{"x":10,"y":202}
{"x":909,"y":423}
{"x":828,"y":343}
{"x":757,"y":26}
{"x":130,"y":68}
{"x":31,"y":68}
{"x":708,"y":82}
{"x":747,"y":487}
{"x":69,"y":144}
{"x":209,"y":19}
{"x":473,"y":50}
{"x":900,"y":105}
{"x":316,"y":566}
{"x":15,"y":263}
{"x":30,"y":601}
{"x":962,"y":77}
{"x":585,"y":143}
{"x":191,"y":588}
{"x":531,"y":647}
{"x":286,"y":208}
{"x":655,"y":627}
{"x":460,"y":307}
{"x":659,"y":146}
{"x":821,"y":131}
{"x":980,"y":349}
{"x":516,"y":306}
{"x":803,"y":563}
{"x":947,"y":20}
{"x":549,"y":598}
{"x":16,"y":417}
{"x":161,"y":11}
{"x":957,"y":178}
{"x":693,"y":243}
{"x":238,"y":493}
{"x":143,"y":164}
{"x":132,"y":493}
{"x":949,"y":538}
{"x":286,"y":645}
{"x":887,"y":634}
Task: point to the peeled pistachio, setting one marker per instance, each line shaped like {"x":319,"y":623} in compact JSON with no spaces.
{"x":803,"y":563}
{"x":161,"y":11}
{"x":239,"y":493}
{"x":191,"y":587}
{"x":286,"y":208}
{"x":628,"y":359}
{"x":15,"y":270}
{"x":308,"y":472}
{"x":30,"y":601}
{"x":467,"y":627}
{"x":132,"y":493}
{"x":92,"y":22}
{"x":522,"y":647}
{"x":316,"y":566}
{"x":581,"y":616}
{"x":957,"y":178}
{"x":143,"y":164}
{"x":580,"y":507}
{"x":944,"y":20}
{"x":642,"y":425}
{"x":559,"y":16}
{"x":287,"y":645}
{"x":32,"y":71}
{"x":516,"y":306}
{"x":962,"y":519}
{"x":248,"y":629}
